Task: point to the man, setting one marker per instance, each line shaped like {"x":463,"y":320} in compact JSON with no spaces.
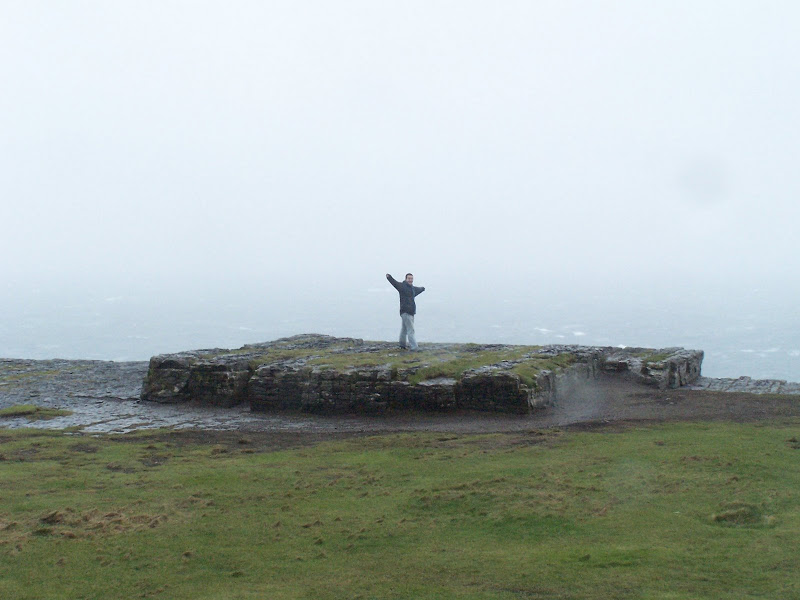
{"x":408,"y":308}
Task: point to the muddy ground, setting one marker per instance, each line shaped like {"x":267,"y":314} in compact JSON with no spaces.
{"x":103,"y":397}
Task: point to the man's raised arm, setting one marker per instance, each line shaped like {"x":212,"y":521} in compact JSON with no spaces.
{"x":393,"y":281}
{"x":418,"y":290}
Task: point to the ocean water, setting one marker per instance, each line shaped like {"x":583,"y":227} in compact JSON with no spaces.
{"x":747,"y":331}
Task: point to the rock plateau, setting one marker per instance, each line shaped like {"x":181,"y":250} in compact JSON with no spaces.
{"x":322,"y":374}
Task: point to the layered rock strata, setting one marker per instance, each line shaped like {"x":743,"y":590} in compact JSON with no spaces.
{"x":323,"y":374}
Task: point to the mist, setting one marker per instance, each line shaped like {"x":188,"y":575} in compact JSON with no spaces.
{"x":178,"y":175}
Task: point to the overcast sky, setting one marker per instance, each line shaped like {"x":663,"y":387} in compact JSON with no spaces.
{"x":233,"y":142}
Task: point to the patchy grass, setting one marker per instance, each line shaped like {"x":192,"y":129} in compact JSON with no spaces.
{"x":649,"y":357}
{"x":17,"y":375}
{"x":530,"y":369}
{"x":33,"y":412}
{"x":392,"y":357}
{"x":275,"y":355}
{"x":453,"y":365}
{"x":742,"y":513}
{"x":287,"y":350}
{"x":427,"y":363}
{"x":430,"y":362}
{"x":707,"y":511}
{"x":527,"y":370}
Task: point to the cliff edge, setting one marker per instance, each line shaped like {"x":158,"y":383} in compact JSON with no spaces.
{"x":323,"y":374}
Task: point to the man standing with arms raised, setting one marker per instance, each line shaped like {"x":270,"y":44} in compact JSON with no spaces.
{"x":408,"y":308}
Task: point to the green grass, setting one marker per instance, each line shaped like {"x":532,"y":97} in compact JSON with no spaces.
{"x":32,"y":412}
{"x":665,"y":512}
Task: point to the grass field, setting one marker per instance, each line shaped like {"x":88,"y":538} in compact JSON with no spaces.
{"x":680,"y":511}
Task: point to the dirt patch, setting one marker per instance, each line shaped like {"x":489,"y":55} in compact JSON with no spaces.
{"x":68,"y":523}
{"x":154,"y":460}
{"x":23,"y":454}
{"x":605,"y":426}
{"x":251,"y":442}
{"x":226,"y":442}
{"x":742,"y":514}
{"x":84,"y":447}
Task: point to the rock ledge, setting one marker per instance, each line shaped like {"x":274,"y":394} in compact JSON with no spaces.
{"x":323,"y":374}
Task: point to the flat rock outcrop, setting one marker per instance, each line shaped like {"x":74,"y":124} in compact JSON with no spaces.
{"x":747,"y":385}
{"x":323,"y":374}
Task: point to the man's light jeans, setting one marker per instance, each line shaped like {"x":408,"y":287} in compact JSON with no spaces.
{"x":408,"y":330}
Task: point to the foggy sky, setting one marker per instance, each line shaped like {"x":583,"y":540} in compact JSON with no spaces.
{"x":288,"y":146}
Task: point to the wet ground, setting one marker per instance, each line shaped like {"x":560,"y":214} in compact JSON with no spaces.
{"x":103,"y":397}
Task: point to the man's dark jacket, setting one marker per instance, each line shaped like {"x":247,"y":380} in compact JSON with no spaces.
{"x":407,"y":293}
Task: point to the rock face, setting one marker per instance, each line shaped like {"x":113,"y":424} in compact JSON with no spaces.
{"x":667,"y":368}
{"x":323,"y":374}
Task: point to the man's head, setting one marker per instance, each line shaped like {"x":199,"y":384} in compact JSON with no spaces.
{"x":409,"y":278}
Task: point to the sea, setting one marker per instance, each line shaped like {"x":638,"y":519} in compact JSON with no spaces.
{"x":744,"y":330}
